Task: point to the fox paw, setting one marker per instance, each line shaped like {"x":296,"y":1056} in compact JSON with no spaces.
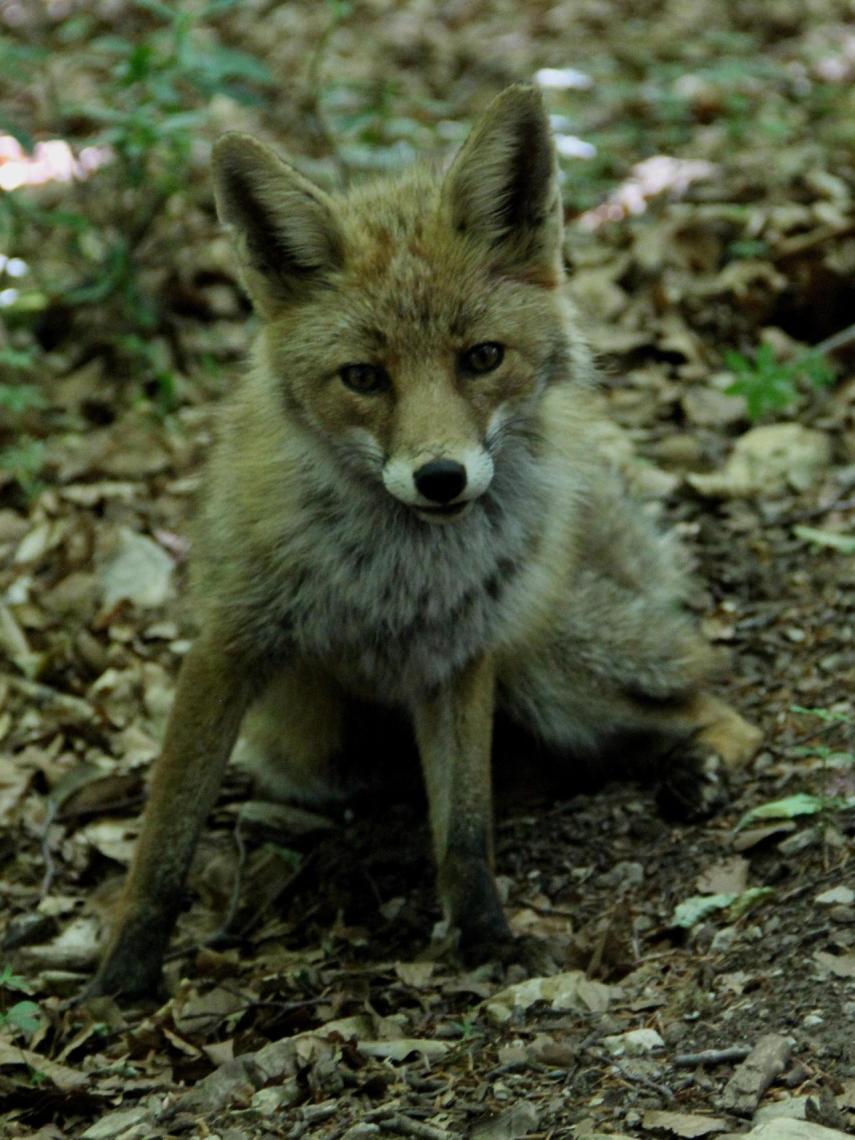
{"x":693,"y":788}
{"x":728,"y":734}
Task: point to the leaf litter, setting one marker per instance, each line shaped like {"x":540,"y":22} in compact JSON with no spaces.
{"x":331,"y":1013}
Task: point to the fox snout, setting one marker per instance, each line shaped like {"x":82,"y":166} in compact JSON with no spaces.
{"x":439,"y":486}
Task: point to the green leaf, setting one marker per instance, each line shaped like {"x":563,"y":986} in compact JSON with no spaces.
{"x":24,"y":1015}
{"x":16,"y":358}
{"x":748,"y":900}
{"x":828,"y":715}
{"x":12,"y":981}
{"x":802,"y":803}
{"x":692,"y":910}
{"x":24,"y":460}
{"x":10,"y":127}
{"x":18,"y":398}
{"x":844,"y":543}
{"x":689,"y":912}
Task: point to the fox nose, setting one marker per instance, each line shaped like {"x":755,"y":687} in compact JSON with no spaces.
{"x":441,"y":480}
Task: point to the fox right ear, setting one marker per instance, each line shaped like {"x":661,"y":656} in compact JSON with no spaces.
{"x":502,"y":188}
{"x":283,"y":225}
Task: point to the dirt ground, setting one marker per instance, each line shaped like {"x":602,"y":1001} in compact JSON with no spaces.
{"x":698,"y":978}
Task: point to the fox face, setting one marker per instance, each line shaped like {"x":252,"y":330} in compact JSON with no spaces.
{"x":411,"y":324}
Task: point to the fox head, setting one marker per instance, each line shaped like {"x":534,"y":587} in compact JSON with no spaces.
{"x":415,"y":320}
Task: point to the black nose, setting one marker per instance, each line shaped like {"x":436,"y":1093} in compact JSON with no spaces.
{"x":441,"y":480}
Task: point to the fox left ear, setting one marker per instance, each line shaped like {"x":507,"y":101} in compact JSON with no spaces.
{"x":283,"y":225}
{"x":503,"y":186}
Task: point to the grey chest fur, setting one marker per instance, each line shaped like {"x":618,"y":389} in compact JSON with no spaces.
{"x":395,"y":605}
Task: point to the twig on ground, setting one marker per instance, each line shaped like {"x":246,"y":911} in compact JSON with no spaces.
{"x":47,"y":854}
{"x":712,"y":1056}
{"x":640,"y":1079}
{"x":50,"y":698}
{"x":405,"y":1126}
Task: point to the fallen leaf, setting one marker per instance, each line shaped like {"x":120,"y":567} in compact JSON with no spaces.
{"x":416,"y":974}
{"x":137,"y":570}
{"x":512,"y":1124}
{"x":840,"y":965}
{"x":571,"y":990}
{"x":767,"y":460}
{"x":799,"y":804}
{"x":832,"y":540}
{"x":116,"y":1124}
{"x":684,"y":1124}
{"x":729,"y":876}
{"x":634,"y":1043}
{"x":64,"y":1078}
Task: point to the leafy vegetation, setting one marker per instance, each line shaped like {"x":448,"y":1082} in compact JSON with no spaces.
{"x":22,"y":1016}
{"x":151,"y":102}
{"x":771,"y":385}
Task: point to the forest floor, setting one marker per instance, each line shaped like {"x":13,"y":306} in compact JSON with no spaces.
{"x":703,"y":981}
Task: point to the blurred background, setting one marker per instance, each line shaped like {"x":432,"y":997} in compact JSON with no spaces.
{"x":707,"y":153}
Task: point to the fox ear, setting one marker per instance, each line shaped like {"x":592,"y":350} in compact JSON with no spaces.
{"x":503,"y":186}
{"x":283,"y":225}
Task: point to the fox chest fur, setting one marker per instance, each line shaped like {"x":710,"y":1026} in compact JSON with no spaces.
{"x":337,"y":573}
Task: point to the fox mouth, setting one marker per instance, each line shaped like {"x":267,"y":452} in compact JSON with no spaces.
{"x":445,"y":511}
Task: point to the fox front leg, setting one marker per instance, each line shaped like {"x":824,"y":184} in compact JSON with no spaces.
{"x":213,"y":692}
{"x":453,"y":732}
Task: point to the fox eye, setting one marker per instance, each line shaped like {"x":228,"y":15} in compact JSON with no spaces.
{"x":481,"y":358}
{"x":367,"y":379}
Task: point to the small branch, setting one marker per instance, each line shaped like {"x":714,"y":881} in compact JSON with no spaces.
{"x":234,"y":898}
{"x":47,"y":854}
{"x":801,"y":243}
{"x":50,"y":698}
{"x":405,"y":1126}
{"x":640,"y":1079}
{"x":712,"y":1056}
{"x":835,"y":341}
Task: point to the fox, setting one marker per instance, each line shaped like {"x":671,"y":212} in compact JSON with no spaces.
{"x":407,"y":506}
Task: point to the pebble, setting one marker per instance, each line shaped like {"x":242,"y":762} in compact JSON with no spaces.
{"x":843,"y":895}
{"x":635,"y":1043}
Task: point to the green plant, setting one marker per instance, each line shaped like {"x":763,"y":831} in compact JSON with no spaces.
{"x":24,"y":461}
{"x":838,"y":762}
{"x":771,"y":385}
{"x":22,"y":1016}
{"x":468,"y":1027}
{"x":152,"y":89}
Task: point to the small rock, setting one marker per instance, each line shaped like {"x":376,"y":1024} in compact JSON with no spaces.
{"x":680,"y":450}
{"x":635,"y":1043}
{"x":623,"y":874}
{"x":794,"y":844}
{"x":791,"y":1108}
{"x":708,"y":407}
{"x":137,"y":570}
{"x":724,"y":939}
{"x":270,"y":1101}
{"x":843,"y":895}
{"x":769,"y":460}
